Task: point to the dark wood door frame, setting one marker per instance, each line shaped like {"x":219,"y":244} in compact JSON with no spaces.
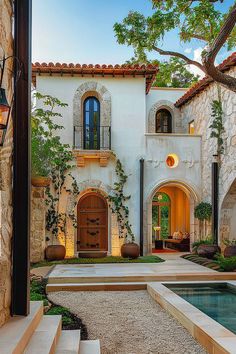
{"x":21,"y":160}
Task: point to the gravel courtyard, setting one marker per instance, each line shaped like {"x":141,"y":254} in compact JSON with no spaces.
{"x":128,"y":322}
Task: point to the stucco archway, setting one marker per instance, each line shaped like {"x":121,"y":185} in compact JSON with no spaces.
{"x":193,"y":200}
{"x":168,"y":105}
{"x":228,"y":214}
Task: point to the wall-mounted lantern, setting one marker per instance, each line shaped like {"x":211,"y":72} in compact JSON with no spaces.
{"x":5,"y":108}
{"x":4,"y":115}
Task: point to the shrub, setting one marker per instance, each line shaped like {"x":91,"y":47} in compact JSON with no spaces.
{"x":226,"y":264}
{"x":207,"y":241}
{"x":66,"y":315}
{"x":203,"y":211}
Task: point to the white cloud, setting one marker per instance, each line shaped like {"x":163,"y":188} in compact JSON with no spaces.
{"x":188,"y":50}
{"x":197,"y":57}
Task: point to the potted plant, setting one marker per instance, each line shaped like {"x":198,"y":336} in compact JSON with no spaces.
{"x":130,"y":249}
{"x":50,"y":157}
{"x":206,"y":248}
{"x":40,"y":163}
{"x":230,"y":249}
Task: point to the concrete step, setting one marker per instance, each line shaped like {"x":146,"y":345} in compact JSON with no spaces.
{"x":89,"y":347}
{"x":69,"y":342}
{"x":213,"y":275}
{"x":16,"y":333}
{"x":45,"y":337}
{"x":95,"y":287}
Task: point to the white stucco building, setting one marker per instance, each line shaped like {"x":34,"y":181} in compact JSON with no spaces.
{"x":114,"y":109}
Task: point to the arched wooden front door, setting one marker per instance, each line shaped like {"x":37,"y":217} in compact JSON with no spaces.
{"x":92,"y":223}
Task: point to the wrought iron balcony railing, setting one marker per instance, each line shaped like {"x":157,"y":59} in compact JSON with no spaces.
{"x":92,"y":139}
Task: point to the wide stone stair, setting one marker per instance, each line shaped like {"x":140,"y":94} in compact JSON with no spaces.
{"x":42,"y":334}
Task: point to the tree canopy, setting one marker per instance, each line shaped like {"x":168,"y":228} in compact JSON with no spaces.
{"x":195,"y":19}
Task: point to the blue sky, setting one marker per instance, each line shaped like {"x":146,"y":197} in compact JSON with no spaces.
{"x":81,"y":31}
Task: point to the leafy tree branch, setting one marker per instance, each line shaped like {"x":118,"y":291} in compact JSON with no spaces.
{"x":199,"y":20}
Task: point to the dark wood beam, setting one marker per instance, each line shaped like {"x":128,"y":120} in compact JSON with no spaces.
{"x":21,"y":160}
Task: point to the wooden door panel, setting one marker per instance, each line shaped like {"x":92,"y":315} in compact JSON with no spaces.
{"x":93,"y":218}
{"x":92,"y":223}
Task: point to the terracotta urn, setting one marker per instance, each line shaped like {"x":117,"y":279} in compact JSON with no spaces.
{"x":208,"y":251}
{"x":130,"y":250}
{"x":39,"y":181}
{"x":230,"y":251}
{"x":55,"y":252}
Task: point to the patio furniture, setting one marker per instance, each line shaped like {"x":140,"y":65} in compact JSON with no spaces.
{"x":158,"y":244}
{"x":182,"y":245}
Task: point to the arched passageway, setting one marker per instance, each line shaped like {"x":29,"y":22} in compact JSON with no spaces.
{"x":170,"y":212}
{"x":228,"y":214}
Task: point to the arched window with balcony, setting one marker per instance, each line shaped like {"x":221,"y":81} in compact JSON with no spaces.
{"x":163,"y":121}
{"x":91,"y":126}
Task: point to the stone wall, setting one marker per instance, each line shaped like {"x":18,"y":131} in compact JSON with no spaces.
{"x":37,"y":238}
{"x":199,"y":110}
{"x":6,"y":170}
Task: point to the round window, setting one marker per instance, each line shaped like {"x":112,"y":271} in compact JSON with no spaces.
{"x":172,"y":160}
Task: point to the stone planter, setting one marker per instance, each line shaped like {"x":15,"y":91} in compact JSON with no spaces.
{"x":39,"y":181}
{"x":55,"y":253}
{"x":230,"y":251}
{"x":208,"y":251}
{"x":130,"y":250}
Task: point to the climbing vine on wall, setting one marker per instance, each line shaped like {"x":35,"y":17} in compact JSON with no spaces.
{"x":117,"y":201}
{"x":55,"y":220}
{"x":217,"y":127}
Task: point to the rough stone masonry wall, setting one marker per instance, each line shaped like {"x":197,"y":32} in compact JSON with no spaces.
{"x":6,"y":171}
{"x":199,"y":110}
{"x":37,"y":237}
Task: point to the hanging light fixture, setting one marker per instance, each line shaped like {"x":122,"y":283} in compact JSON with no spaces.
{"x":4,"y":114}
{"x":5,"y":108}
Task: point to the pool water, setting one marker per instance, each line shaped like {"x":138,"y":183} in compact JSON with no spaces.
{"x":218,"y":301}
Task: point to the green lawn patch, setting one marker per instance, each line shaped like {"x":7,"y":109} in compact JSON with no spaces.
{"x":108,"y":259}
{"x":209,"y":263}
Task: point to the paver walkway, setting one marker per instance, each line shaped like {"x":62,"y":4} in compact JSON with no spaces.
{"x":173,"y":264}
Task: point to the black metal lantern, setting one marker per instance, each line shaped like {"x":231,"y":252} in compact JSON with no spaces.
{"x":4,"y":115}
{"x":5,"y":108}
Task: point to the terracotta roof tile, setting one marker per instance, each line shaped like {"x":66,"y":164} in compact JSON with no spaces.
{"x":206,"y":81}
{"x":148,"y":71}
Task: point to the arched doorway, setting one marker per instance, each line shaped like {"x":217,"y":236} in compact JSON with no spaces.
{"x":179,"y":216}
{"x":92,"y":213}
{"x":228,"y":214}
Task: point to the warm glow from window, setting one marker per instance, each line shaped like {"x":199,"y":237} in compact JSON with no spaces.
{"x":172,"y":160}
{"x":191,"y":127}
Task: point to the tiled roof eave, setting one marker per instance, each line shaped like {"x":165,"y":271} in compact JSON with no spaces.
{"x":226,"y":65}
{"x":147,"y":71}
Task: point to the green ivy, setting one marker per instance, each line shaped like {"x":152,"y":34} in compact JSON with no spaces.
{"x":117,"y":202}
{"x":217,"y":124}
{"x":203,"y":211}
{"x":50,"y":157}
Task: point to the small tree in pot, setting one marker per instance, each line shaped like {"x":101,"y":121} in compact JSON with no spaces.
{"x":206,"y":247}
{"x":117,"y":201}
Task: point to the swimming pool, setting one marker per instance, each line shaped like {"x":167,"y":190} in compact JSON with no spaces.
{"x":217,"y":300}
